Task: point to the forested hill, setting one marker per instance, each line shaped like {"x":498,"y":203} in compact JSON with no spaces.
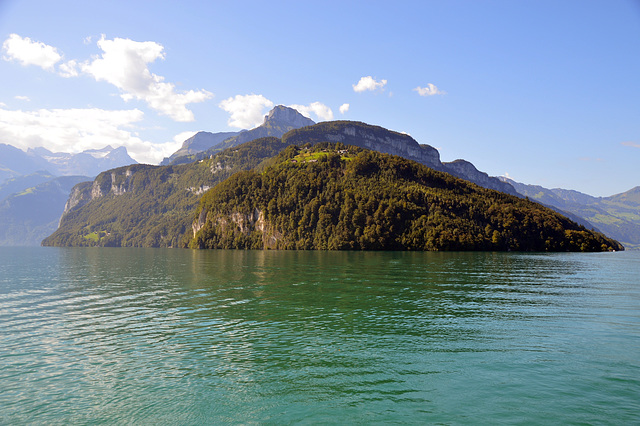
{"x":149,"y":206}
{"x":336,"y":197}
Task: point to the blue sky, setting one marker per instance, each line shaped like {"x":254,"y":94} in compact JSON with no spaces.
{"x":546,"y":92}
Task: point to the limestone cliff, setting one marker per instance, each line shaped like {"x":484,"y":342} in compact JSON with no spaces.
{"x":389,"y":142}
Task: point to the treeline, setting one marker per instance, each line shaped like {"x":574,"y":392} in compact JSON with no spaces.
{"x":374,"y":201}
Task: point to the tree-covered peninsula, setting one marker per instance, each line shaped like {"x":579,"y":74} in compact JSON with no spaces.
{"x":339,"y":197}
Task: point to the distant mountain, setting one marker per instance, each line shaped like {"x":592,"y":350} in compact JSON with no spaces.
{"x":155,"y":206}
{"x":618,"y":216}
{"x":20,"y":183}
{"x":32,"y":198}
{"x":279,"y":121}
{"x":387,"y":141}
{"x":337,"y":197}
{"x":88,"y":163}
{"x":28,"y":216}
{"x":199,"y":142}
{"x":15,"y":162}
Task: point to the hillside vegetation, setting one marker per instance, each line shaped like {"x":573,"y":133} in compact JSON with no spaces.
{"x":150,"y":206}
{"x":337,"y":197}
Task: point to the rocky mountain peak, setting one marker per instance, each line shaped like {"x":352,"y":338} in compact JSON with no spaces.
{"x":281,"y":115}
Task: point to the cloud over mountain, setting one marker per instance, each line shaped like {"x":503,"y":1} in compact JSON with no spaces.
{"x":247,"y":111}
{"x":320,"y":110}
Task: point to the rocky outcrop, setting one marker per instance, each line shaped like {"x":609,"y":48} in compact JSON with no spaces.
{"x":115,"y":182}
{"x":386,"y":141}
{"x":383,"y":140}
{"x":279,"y":121}
{"x":467,"y":171}
{"x":242,"y":223}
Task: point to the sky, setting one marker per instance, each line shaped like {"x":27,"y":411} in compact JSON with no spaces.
{"x":544,"y":92}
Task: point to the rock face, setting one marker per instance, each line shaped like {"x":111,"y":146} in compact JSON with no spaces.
{"x":467,"y":171}
{"x":282,"y":116}
{"x":383,"y":140}
{"x":279,"y":121}
{"x":114,"y":182}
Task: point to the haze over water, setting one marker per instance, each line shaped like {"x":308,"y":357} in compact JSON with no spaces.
{"x":189,"y":337}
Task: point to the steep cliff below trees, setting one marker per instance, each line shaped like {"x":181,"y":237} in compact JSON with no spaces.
{"x":343,"y":198}
{"x":149,"y":206}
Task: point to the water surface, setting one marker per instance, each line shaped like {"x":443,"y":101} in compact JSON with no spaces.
{"x":190,"y":337}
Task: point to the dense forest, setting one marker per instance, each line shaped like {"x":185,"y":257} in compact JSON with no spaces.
{"x":338,"y":197}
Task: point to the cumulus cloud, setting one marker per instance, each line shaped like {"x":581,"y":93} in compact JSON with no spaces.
{"x":69,"y":69}
{"x":631,"y":144}
{"x":22,"y":98}
{"x":247,"y":111}
{"x":320,"y":110}
{"x":368,"y":83}
{"x":344,"y":108}
{"x":29,"y":52}
{"x":124,"y":63}
{"x":75,"y":130}
{"x":429,"y":90}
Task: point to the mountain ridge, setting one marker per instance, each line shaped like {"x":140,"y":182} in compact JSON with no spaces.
{"x":617,"y":215}
{"x":331,"y":196}
{"x":276,"y":123}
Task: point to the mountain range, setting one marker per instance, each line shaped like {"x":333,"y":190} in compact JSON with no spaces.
{"x":616,"y":216}
{"x":332,"y":196}
{"x":279,"y":121}
{"x":154,"y":205}
{"x":35,"y":185}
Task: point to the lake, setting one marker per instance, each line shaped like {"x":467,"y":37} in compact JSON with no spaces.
{"x":161,"y":336}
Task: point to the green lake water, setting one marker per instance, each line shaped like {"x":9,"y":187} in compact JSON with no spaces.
{"x":154,"y":336}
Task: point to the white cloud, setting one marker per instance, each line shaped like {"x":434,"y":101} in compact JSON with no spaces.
{"x":247,"y":111}
{"x":29,"y":52}
{"x":631,"y":144}
{"x":369,"y":83}
{"x":320,"y":110}
{"x":429,"y":90}
{"x":124,"y":64}
{"x":344,"y":108}
{"x":75,"y":130}
{"x":69,"y":69}
{"x":22,"y":98}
